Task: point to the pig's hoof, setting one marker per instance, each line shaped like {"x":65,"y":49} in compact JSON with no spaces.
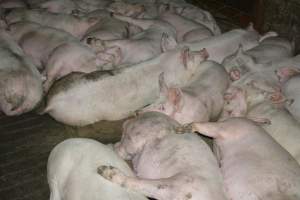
{"x":107,"y":172}
{"x":111,"y":173}
{"x":186,"y":128}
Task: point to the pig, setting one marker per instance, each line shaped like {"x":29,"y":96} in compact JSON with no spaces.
{"x":276,"y":121}
{"x":39,"y":41}
{"x":108,"y":28}
{"x":13,"y":4}
{"x":19,"y":29}
{"x":166,"y":165}
{"x":120,"y":92}
{"x":72,"y":172}
{"x":201,"y":101}
{"x":77,"y":26}
{"x":271,"y":49}
{"x":71,"y":57}
{"x":126,"y":9}
{"x":198,"y":15}
{"x":221,"y":46}
{"x":91,"y":5}
{"x":253,"y":164}
{"x":20,"y":82}
{"x":142,"y":46}
{"x":59,"y":6}
{"x":291,"y":91}
{"x":186,"y":29}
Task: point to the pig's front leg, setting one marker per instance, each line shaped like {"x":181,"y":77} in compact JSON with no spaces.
{"x":158,"y":189}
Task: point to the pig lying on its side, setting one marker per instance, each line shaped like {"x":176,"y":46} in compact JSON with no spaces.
{"x":186,"y":30}
{"x":200,"y":101}
{"x":253,"y":164}
{"x":72,"y":172}
{"x":126,"y":9}
{"x":39,"y":41}
{"x":271,"y":49}
{"x":20,"y":82}
{"x":13,"y":4}
{"x":221,"y":46}
{"x":58,"y":6}
{"x":77,"y":26}
{"x":201,"y":16}
{"x":80,"y":99}
{"x":107,"y":27}
{"x":278,"y":122}
{"x":71,"y":57}
{"x":142,"y":46}
{"x":167,"y":165}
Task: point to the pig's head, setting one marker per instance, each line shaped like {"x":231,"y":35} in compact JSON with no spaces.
{"x":238,"y":64}
{"x":169,"y":101}
{"x":126,"y":9}
{"x":235,"y":103}
{"x":250,"y":37}
{"x":19,"y":94}
{"x":145,"y":129}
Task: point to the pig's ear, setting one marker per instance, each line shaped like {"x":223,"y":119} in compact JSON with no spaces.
{"x":284,"y":73}
{"x":175,"y":97}
{"x":163,"y":88}
{"x":267,"y":35}
{"x":167,"y":42}
{"x":92,"y":20}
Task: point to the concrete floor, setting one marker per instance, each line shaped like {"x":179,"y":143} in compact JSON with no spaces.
{"x":25,"y":143}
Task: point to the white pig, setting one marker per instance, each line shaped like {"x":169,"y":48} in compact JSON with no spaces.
{"x":167,"y":165}
{"x":71,"y":57}
{"x":59,"y":6}
{"x":74,"y":25}
{"x":13,"y":4}
{"x":39,"y":41}
{"x":200,"y":101}
{"x":277,"y":121}
{"x":271,"y":49}
{"x":108,"y":28}
{"x":80,"y":99}
{"x":198,"y":15}
{"x":253,"y":164}
{"x":221,"y":46}
{"x":72,"y":172}
{"x":142,"y":46}
{"x":20,"y":82}
{"x":186,"y":29}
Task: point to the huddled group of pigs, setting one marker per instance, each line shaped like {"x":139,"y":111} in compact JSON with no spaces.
{"x":167,"y":64}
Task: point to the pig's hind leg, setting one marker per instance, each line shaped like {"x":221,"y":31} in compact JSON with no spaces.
{"x":160,"y":189}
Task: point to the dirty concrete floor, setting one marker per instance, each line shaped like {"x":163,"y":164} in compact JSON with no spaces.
{"x":25,"y":143}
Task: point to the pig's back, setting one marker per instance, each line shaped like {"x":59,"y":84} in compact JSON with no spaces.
{"x":292,"y":91}
{"x":257,"y":167}
{"x":72,"y":170}
{"x":186,"y":153}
